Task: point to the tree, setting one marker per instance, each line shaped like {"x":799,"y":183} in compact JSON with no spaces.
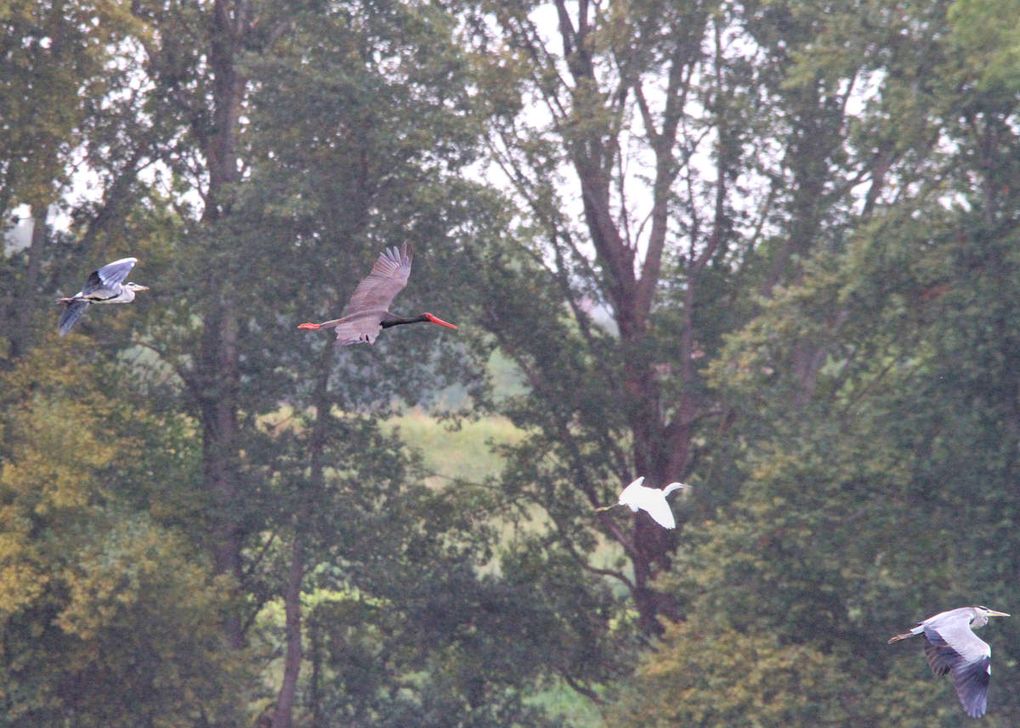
{"x":718,"y":677}
{"x":238,"y":222}
{"x":56,"y":70}
{"x":373,"y":158}
{"x":107,"y":615}
{"x":880,"y":493}
{"x":706,"y":157}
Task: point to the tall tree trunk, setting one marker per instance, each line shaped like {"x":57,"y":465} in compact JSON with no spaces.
{"x":659,"y":447}
{"x":219,"y":372}
{"x":220,"y":381}
{"x":283,"y":715}
{"x":315,"y":679}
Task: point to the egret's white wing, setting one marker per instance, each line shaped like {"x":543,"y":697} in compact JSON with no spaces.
{"x":631,"y":492}
{"x":659,"y":509}
{"x":110,"y":275}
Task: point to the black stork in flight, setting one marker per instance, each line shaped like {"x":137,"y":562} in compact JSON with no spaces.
{"x":367,"y":313}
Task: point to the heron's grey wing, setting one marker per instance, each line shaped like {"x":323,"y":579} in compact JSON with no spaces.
{"x":941,"y":657}
{"x":109,"y":276}
{"x":953,"y":648}
{"x":971,"y":681}
{"x":377,"y":290}
{"x":72,"y":312}
{"x":958,"y":635}
{"x":661,"y":513}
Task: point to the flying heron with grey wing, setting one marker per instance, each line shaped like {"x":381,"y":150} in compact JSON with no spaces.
{"x":105,"y":285}
{"x":952,"y":647}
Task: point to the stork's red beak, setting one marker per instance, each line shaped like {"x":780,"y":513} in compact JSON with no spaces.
{"x":438,"y":321}
{"x":313,"y":327}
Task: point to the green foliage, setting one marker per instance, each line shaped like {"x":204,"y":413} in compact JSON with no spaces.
{"x":107,"y":617}
{"x":987,"y":36}
{"x":689,"y":680}
{"x":449,"y":650}
{"x":879,"y":490}
{"x":841,"y":369}
{"x":887,"y":496}
{"x":54,"y":73}
{"x":874,"y":421}
{"x":466,"y":452}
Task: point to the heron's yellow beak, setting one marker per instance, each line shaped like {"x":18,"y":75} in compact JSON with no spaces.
{"x":993,"y":613}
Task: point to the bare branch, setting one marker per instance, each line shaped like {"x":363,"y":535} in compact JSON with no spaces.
{"x":585,"y":691}
{"x":259,"y":557}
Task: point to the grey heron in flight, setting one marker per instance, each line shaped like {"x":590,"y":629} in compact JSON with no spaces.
{"x":638,"y":497}
{"x":105,"y":285}
{"x":952,"y":647}
{"x":367,"y":313}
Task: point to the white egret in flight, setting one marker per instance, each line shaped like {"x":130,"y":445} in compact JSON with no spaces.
{"x":651,"y":500}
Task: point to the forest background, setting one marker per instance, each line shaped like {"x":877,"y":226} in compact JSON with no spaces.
{"x":766,"y":247}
